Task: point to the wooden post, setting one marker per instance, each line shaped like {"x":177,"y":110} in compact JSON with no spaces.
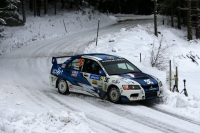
{"x":176,"y":80}
{"x":170,"y":76}
{"x":97,"y":32}
{"x":189,"y":21}
{"x":155,"y":17}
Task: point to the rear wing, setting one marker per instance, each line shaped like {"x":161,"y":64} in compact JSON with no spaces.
{"x":54,"y":59}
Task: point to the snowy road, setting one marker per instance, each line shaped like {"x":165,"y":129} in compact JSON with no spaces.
{"x":27,"y":71}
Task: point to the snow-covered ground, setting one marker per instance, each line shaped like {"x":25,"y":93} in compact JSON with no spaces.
{"x":28,"y":104}
{"x":129,"y":43}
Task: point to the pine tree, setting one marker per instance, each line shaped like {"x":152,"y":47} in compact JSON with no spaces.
{"x":8,"y":13}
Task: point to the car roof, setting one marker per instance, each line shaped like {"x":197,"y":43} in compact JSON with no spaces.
{"x":101,"y":56}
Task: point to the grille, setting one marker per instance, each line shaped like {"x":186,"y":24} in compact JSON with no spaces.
{"x":146,"y":88}
{"x":151,"y":94}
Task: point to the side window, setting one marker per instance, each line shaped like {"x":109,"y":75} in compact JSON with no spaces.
{"x":76,"y":64}
{"x":91,"y":66}
{"x":129,"y":67}
{"x":122,"y":65}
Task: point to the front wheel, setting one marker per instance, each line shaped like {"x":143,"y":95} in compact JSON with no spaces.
{"x":114,"y":95}
{"x":62,"y":87}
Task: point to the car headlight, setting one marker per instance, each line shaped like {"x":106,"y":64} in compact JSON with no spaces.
{"x":131,"y":87}
{"x":160,"y":84}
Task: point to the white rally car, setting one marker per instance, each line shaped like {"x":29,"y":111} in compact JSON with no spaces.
{"x":104,"y":76}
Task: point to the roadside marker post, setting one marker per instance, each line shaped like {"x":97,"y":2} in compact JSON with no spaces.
{"x":97,"y":32}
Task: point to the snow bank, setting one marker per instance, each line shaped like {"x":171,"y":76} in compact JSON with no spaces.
{"x":14,"y":121}
{"x":19,"y":113}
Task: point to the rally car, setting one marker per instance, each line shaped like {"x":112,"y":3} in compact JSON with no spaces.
{"x":104,"y":76}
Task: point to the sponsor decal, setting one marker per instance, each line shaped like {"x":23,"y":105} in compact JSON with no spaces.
{"x":57,"y":71}
{"x":74,"y":73}
{"x":96,"y":77}
{"x":100,"y":84}
{"x":102,"y":78}
{"x":106,"y":79}
{"x":115,"y":81}
{"x":110,"y":60}
{"x":148,"y":81}
{"x":94,"y":82}
{"x":70,"y":86}
{"x":63,"y":65}
{"x":87,"y":88}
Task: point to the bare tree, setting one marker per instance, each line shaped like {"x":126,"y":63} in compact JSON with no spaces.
{"x":158,"y":57}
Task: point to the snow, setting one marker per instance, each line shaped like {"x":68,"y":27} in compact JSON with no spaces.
{"x":129,"y":43}
{"x":26,"y":109}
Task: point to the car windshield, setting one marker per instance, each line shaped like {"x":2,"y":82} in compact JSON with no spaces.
{"x":119,"y":66}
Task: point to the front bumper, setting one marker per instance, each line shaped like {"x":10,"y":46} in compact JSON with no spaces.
{"x":135,"y":95}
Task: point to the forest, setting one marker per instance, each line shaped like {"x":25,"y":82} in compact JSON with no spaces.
{"x":11,"y":10}
{"x":180,"y":12}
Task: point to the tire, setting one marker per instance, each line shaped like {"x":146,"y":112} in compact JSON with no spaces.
{"x":63,"y":87}
{"x":114,"y":94}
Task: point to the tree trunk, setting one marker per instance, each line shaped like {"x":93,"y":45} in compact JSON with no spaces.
{"x":172,"y":18}
{"x":189,"y":21}
{"x":89,"y":2}
{"x":45,"y":7}
{"x":198,"y":24}
{"x":23,"y":11}
{"x":63,"y":4}
{"x":155,"y":17}
{"x":34,"y":7}
{"x":31,"y":5}
{"x":71,"y":5}
{"x":55,"y":1}
{"x":179,"y":15}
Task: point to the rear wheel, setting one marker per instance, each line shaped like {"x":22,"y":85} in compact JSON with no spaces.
{"x":62,"y":87}
{"x":114,"y":94}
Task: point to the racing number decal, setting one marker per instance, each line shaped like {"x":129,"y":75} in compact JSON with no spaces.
{"x":148,"y":81}
{"x":80,"y":62}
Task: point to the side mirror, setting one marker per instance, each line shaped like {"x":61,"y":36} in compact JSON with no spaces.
{"x":102,"y":73}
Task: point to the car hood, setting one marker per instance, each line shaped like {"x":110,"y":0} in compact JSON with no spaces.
{"x":142,"y":78}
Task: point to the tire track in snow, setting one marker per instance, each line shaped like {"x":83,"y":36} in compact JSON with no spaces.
{"x":147,"y":121}
{"x":152,"y":123}
{"x":89,"y":117}
{"x":152,"y":106}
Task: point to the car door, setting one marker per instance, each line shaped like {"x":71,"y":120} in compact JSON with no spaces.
{"x":90,"y":72}
{"x":75,"y":79}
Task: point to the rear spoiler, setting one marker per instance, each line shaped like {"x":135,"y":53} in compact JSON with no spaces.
{"x":54,"y":59}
